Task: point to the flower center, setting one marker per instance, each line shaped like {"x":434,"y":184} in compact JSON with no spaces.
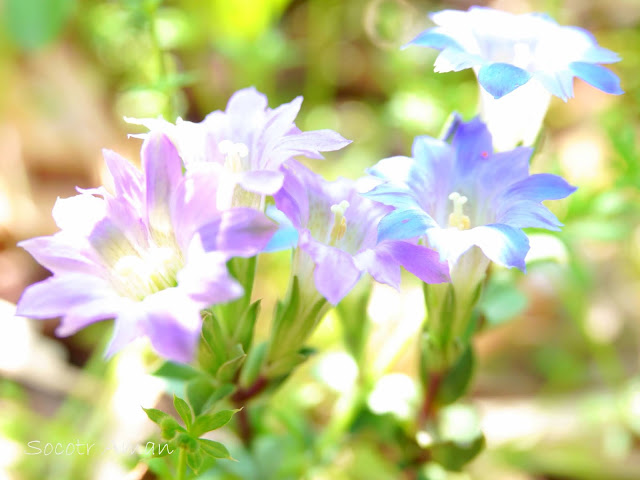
{"x":457,"y":218}
{"x":339,"y":222}
{"x":234,"y":153}
{"x":154,"y":270}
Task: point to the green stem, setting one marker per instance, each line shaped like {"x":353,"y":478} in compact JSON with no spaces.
{"x":181,"y":473}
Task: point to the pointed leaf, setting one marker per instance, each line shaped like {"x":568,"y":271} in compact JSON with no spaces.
{"x":178,"y":371}
{"x":155,"y":415}
{"x":183,"y":410}
{"x":194,"y":460}
{"x":214,"y":449}
{"x":207,"y":423}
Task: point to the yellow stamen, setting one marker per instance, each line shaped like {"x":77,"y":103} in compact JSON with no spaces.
{"x":457,"y":218}
{"x":339,"y":222}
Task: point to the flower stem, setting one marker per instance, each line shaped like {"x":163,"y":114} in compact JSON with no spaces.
{"x":182,"y":465}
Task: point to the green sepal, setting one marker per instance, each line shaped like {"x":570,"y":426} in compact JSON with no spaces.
{"x":229,"y":369}
{"x":199,"y":390}
{"x":455,"y":455}
{"x":183,"y":410}
{"x":213,"y":421}
{"x":215,"y":449}
{"x":253,"y":364}
{"x":457,"y":379}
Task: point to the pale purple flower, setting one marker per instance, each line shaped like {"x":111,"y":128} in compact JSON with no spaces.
{"x":337,"y":228}
{"x":250,"y":140}
{"x":151,"y":256}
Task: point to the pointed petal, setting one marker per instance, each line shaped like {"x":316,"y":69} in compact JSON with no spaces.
{"x":163,"y":172}
{"x":336,"y":272}
{"x":421,"y":261}
{"x":380,"y":265}
{"x":404,"y":224}
{"x":55,"y":296}
{"x":238,"y":232}
{"x":539,"y":187}
{"x":500,"y":79}
{"x":126,"y":178}
{"x":600,"y":77}
{"x":433,"y":38}
{"x":79,"y":214}
{"x":172,"y":322}
{"x":62,"y":252}
{"x":206,"y":280}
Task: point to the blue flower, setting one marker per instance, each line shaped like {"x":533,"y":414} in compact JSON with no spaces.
{"x":463,"y":195}
{"x":507,"y":51}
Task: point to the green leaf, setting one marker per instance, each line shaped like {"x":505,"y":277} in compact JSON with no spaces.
{"x":457,"y":379}
{"x":454,"y":456}
{"x":502,"y":302}
{"x":33,"y":24}
{"x":176,"y":371}
{"x":183,"y":410}
{"x":194,"y":460}
{"x":214,"y":449}
{"x":155,"y":415}
{"x":207,"y":423}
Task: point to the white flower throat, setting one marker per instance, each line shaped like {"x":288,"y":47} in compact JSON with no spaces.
{"x":148,"y":272}
{"x":234,"y":153}
{"x":339,"y":228}
{"x":457,"y":218}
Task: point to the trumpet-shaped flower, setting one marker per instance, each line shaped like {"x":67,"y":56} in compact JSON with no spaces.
{"x":510,"y":50}
{"x":463,"y":195}
{"x":337,"y":229}
{"x":250,"y":140}
{"x":520,"y":61}
{"x":151,"y":256}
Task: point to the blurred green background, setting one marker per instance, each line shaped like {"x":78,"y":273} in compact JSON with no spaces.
{"x":557,"y":386}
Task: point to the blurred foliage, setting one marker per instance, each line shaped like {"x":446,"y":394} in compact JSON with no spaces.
{"x":557,"y":362}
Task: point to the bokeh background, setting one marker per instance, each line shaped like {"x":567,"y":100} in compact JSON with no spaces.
{"x":557,"y":385}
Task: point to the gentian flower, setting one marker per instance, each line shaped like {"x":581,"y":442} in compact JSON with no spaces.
{"x":520,"y":61}
{"x":463,"y":195}
{"x":250,"y":140}
{"x":152,"y":256}
{"x":337,"y":236}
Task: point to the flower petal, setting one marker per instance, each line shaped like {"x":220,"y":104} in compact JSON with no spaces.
{"x":404,"y":224}
{"x":421,"y":261}
{"x":238,"y":232}
{"x":336,"y":272}
{"x":600,"y":77}
{"x":264,"y":182}
{"x":55,"y":296}
{"x":206,"y":280}
{"x":172,"y":322}
{"x":163,"y":172}
{"x":500,"y":79}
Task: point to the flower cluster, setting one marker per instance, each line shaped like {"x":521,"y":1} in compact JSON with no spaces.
{"x":153,"y":254}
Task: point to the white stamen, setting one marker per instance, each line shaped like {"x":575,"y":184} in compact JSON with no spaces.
{"x":234,"y":153}
{"x":457,"y":218}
